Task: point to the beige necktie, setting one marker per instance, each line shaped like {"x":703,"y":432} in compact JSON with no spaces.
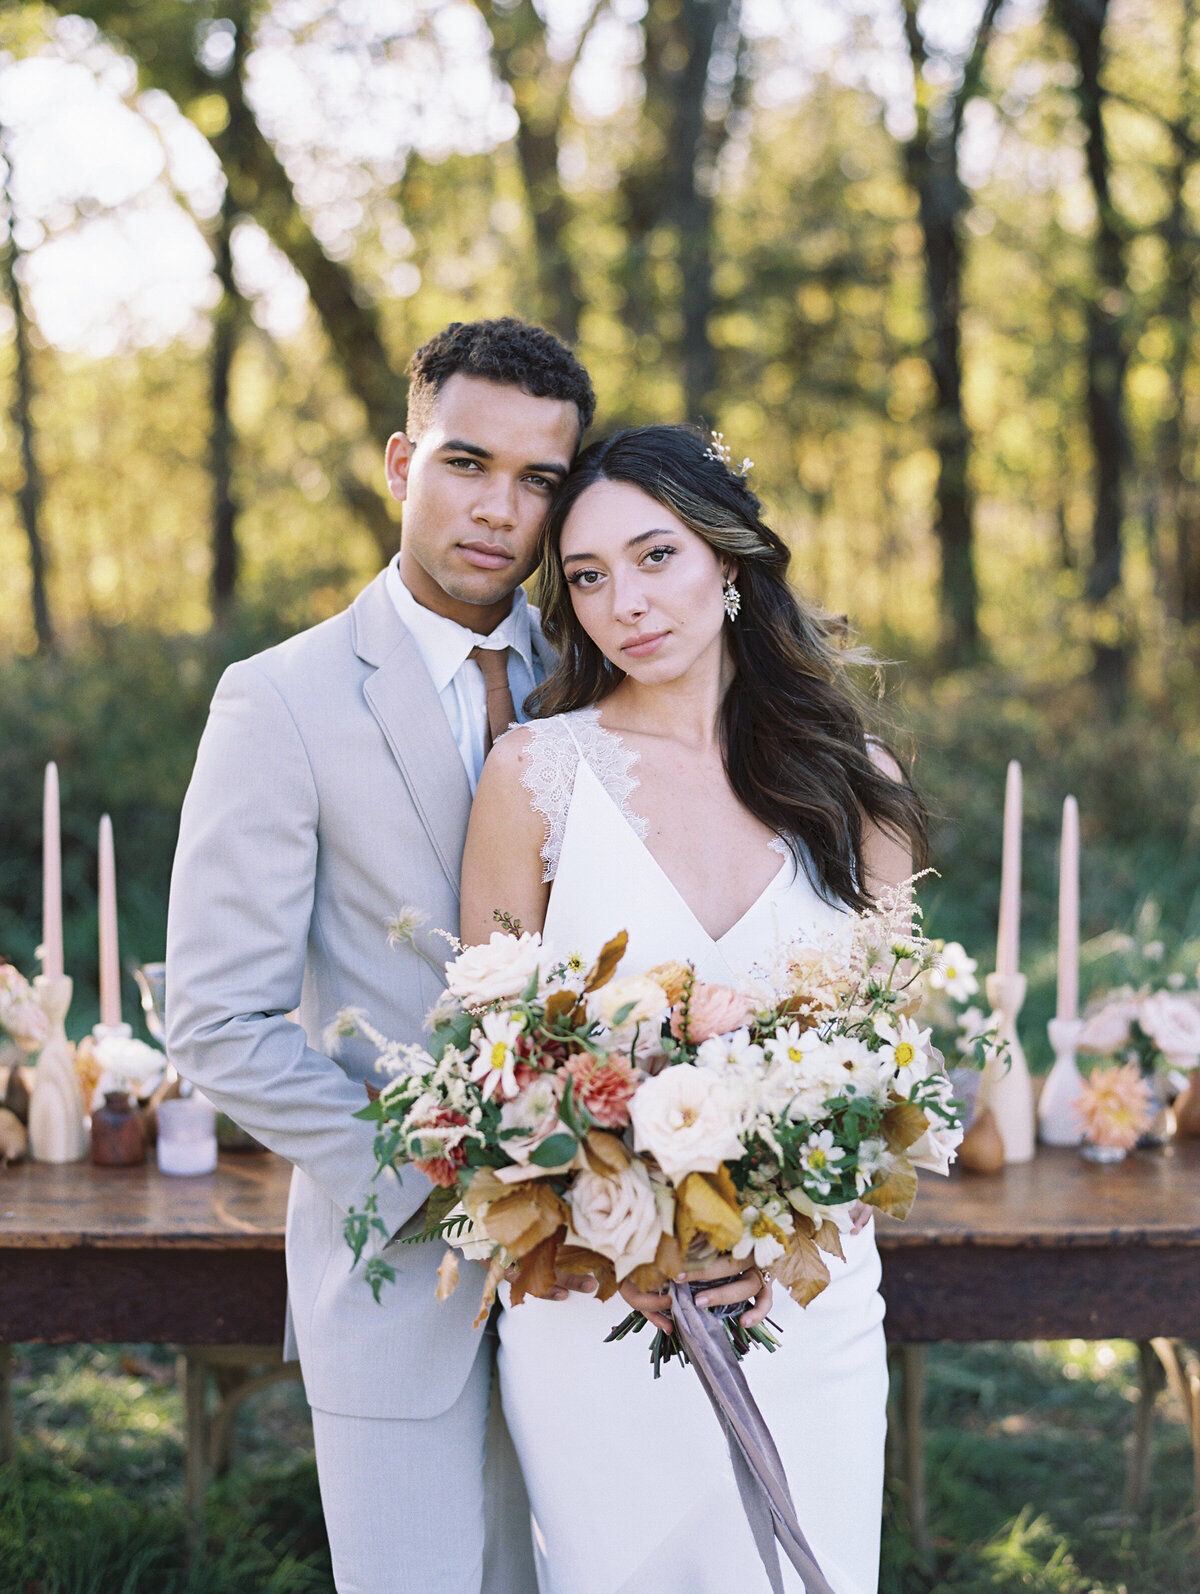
{"x":500,"y":712}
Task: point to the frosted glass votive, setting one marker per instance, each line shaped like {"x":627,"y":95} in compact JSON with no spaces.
{"x":187,"y":1135}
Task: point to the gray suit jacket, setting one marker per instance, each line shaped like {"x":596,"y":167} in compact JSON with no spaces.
{"x":328,"y":792}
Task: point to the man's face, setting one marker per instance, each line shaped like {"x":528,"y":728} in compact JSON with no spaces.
{"x":475,"y":488}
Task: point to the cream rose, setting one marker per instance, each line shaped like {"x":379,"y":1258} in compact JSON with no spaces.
{"x":496,"y":972}
{"x":617,"y":1216}
{"x":687,"y":1119}
{"x":534,"y":1111}
{"x":128,"y":1059}
{"x":1107,"y":1029}
{"x":1173,"y":1024}
{"x":645,"y":998}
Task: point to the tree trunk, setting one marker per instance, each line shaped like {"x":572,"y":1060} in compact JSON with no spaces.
{"x":1084,"y":22}
{"x":672,"y":181}
{"x":931,"y":165}
{"x":540,"y":87}
{"x":222,"y":440}
{"x":1178,"y":550}
{"x":29,"y":494}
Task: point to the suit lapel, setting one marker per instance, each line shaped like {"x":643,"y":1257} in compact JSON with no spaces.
{"x":403,"y":700}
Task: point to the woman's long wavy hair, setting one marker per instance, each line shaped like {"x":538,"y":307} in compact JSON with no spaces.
{"x":793,"y":725}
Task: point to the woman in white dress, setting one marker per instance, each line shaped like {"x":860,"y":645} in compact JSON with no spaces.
{"x":703,"y":779}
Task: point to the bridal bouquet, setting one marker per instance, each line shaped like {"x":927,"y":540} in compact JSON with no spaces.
{"x":575,"y":1120}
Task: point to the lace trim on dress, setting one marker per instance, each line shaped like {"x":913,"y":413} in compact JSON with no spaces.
{"x":555,"y":746}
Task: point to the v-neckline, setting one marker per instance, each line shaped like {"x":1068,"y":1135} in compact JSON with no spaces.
{"x":717,"y":941}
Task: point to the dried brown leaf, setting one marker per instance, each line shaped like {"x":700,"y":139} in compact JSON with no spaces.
{"x":668,"y":1261}
{"x":611,"y":954}
{"x":558,"y":1005}
{"x":522,"y":1218}
{"x":703,"y":1206}
{"x":898,"y":1191}
{"x":447,"y":1276}
{"x":802,"y":1272}
{"x":581,"y":1259}
{"x":536,"y":1274}
{"x":491,"y":1283}
{"x":829,"y":1240}
{"x":605,"y":1153}
{"x":903,"y":1125}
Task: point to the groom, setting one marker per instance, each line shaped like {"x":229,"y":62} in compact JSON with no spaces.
{"x":332,"y":787}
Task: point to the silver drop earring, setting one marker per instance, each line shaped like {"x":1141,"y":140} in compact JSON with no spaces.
{"x":732,"y":598}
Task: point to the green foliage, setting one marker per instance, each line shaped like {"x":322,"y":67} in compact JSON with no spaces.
{"x":122,"y":717}
{"x":93,"y":1503}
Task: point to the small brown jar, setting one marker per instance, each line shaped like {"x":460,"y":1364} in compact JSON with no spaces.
{"x":118,"y":1132}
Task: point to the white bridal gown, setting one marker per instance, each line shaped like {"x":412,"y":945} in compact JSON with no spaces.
{"x":629,"y":1477}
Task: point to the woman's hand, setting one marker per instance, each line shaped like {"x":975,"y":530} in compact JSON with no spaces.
{"x":860,"y":1216}
{"x":747,"y":1286}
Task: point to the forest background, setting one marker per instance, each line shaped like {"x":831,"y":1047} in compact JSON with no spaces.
{"x":933,"y":267}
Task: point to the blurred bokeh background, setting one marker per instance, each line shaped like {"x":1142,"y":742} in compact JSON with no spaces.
{"x":934,"y":267}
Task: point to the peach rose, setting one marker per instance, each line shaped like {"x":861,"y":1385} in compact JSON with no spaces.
{"x":713,"y":1010}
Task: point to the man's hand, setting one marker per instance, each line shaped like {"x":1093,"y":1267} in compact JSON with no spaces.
{"x":580,"y":1283}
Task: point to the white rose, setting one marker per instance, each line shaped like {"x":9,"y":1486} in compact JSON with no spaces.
{"x":617,"y":1216}
{"x":25,"y":1020}
{"x":497,"y":972}
{"x":936,"y":1148}
{"x":535,"y":1111}
{"x":687,"y":1120}
{"x":1107,"y":1029}
{"x":1173,"y":1024}
{"x":128,"y":1059}
{"x":648,"y":1003}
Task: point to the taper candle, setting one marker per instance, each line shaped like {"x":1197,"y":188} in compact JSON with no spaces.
{"x":1008,"y":936}
{"x":110,"y":961}
{"x":1068,"y":913}
{"x":52,"y":943}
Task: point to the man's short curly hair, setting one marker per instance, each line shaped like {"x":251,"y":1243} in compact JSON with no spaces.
{"x":505,"y":350}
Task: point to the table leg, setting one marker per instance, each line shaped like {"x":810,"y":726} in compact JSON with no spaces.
{"x":192,"y":1375}
{"x":1150,"y":1382}
{"x":1183,"y":1370}
{"x":8,"y":1441}
{"x":906,"y":1442}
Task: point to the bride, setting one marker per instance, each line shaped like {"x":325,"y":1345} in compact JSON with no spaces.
{"x":702,"y":778}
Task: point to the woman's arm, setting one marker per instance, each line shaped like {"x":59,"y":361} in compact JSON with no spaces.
{"x":887,"y":858}
{"x":502,"y":860}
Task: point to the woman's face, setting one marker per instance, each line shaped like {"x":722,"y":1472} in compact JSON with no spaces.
{"x":644,"y":587}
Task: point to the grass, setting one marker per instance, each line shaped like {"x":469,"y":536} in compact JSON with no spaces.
{"x":1026,"y":1451}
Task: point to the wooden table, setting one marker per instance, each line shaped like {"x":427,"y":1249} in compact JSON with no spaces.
{"x":113,"y":1255}
{"x":1052,"y":1249}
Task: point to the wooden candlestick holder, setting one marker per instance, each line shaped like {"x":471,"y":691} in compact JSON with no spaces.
{"x":1058,"y":1123}
{"x":57,"y":1114}
{"x":1005,"y":1086}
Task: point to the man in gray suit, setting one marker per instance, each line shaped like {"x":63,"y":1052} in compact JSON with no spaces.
{"x":331,"y":788}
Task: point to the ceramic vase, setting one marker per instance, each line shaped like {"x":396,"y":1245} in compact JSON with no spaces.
{"x":1005,"y":1087}
{"x":57,"y":1127}
{"x":1187,"y":1108}
{"x":118,"y":1133}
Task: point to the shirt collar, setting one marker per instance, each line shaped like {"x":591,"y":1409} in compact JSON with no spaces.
{"x":443,"y":644}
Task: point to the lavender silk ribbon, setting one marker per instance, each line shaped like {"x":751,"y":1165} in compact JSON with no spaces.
{"x":757,"y":1467}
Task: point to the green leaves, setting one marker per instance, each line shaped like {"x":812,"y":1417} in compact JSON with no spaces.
{"x":552,"y":1153}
